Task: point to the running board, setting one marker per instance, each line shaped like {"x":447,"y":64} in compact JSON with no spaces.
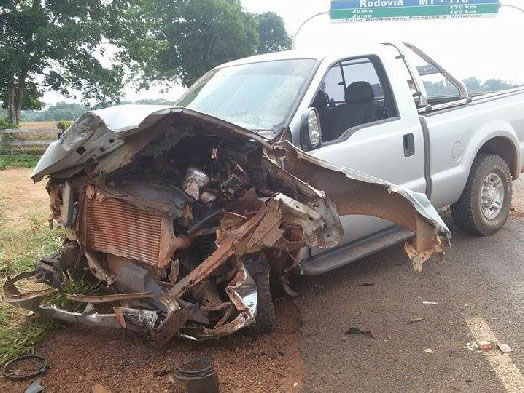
{"x":353,"y":251}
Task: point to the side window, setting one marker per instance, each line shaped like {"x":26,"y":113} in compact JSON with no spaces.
{"x":354,"y":92}
{"x":334,"y":84}
{"x":438,"y":87}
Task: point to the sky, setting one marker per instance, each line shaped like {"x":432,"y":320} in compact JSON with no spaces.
{"x":481,"y":47}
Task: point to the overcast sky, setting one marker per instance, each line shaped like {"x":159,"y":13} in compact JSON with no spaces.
{"x":481,"y":47}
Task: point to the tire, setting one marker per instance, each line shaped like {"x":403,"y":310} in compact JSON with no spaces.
{"x":258,"y":269}
{"x":470,"y":215}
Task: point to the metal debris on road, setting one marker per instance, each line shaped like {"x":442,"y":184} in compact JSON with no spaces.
{"x":415,"y":320}
{"x":357,"y":331}
{"x":427,"y":303}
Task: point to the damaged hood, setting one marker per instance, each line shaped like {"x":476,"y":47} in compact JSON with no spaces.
{"x":97,"y":133}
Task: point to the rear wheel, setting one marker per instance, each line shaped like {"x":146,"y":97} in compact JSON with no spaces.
{"x":258,"y":269}
{"x":484,"y":206}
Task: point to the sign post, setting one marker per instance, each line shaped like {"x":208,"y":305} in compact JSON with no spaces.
{"x":365,"y":10}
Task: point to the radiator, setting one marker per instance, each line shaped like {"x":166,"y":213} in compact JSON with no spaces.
{"x":115,"y":227}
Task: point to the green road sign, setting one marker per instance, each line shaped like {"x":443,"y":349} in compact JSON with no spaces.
{"x":363,"y":10}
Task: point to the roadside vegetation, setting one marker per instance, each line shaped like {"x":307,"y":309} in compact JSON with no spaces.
{"x":20,"y":245}
{"x":18,"y":160}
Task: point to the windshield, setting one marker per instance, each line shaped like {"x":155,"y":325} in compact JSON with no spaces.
{"x":256,"y":96}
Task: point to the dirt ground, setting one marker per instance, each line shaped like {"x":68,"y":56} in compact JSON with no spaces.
{"x":17,"y":189}
{"x":38,"y":124}
{"x":80,"y":358}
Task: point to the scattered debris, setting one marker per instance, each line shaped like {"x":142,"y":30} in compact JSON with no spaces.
{"x":25,"y":367}
{"x":485,"y":345}
{"x":472,"y":346}
{"x":428,"y":350}
{"x":504,"y":348}
{"x":35,"y":387}
{"x":415,"y":320}
{"x":427,"y":303}
{"x":357,"y":331}
{"x":198,"y":375}
{"x":481,"y":345}
{"x":366,"y":284}
{"x":286,"y":285}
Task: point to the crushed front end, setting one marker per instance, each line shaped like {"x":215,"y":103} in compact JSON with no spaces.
{"x":181,"y":216}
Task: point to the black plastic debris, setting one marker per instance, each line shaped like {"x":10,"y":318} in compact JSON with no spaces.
{"x":357,"y":331}
{"x":25,"y":367}
{"x":198,"y":375}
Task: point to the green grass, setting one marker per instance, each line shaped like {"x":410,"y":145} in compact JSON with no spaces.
{"x":19,"y":249}
{"x":18,"y":160}
{"x":20,"y":339}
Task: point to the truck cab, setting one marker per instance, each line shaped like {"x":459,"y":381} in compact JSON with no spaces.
{"x":370,"y":111}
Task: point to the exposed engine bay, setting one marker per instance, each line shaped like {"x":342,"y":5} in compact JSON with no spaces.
{"x":181,"y":217}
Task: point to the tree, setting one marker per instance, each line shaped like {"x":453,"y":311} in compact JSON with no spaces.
{"x":30,"y":99}
{"x":182,"y":40}
{"x":272,"y":35}
{"x":496,"y":85}
{"x":55,"y":41}
{"x":473,"y":84}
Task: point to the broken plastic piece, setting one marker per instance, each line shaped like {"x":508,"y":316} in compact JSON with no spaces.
{"x":504,"y":348}
{"x":25,"y":367}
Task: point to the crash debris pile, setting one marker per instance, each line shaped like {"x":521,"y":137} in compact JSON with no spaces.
{"x":182,"y":218}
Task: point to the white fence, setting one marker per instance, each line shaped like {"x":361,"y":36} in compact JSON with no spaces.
{"x":13,"y":139}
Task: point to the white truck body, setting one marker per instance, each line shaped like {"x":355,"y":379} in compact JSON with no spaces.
{"x":446,"y":139}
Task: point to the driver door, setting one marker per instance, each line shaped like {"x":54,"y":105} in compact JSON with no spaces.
{"x":384,"y":143}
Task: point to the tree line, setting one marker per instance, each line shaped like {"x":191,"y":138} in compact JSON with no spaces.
{"x":474,"y":86}
{"x":65,"y":45}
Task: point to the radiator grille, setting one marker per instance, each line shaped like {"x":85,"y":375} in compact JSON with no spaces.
{"x":115,"y":227}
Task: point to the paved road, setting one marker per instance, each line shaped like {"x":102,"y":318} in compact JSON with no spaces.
{"x":481,"y":280}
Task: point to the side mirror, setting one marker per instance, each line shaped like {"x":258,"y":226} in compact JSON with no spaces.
{"x":310,"y":132}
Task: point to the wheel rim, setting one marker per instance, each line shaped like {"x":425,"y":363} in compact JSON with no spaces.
{"x":492,"y":196}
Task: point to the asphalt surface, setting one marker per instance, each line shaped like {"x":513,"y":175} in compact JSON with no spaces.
{"x":481,"y":278}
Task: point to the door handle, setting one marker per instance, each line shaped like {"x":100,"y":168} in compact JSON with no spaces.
{"x":409,"y":145}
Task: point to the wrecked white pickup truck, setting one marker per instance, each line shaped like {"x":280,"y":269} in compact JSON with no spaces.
{"x":182,"y":215}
